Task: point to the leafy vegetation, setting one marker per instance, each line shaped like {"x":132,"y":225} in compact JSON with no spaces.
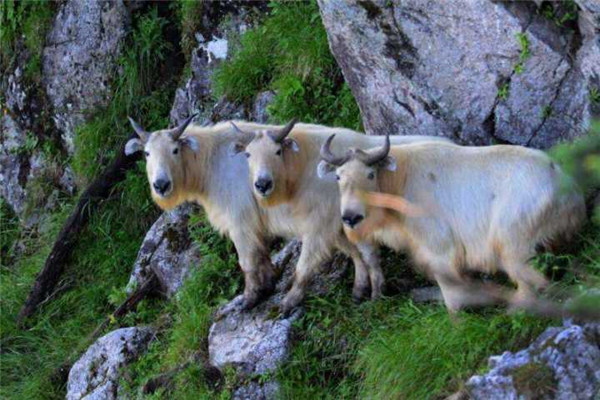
{"x":27,"y":21}
{"x":289,"y":53}
{"x":524,"y":54}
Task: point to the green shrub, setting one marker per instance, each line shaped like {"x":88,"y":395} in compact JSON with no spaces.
{"x":288,"y":52}
{"x":29,"y":20}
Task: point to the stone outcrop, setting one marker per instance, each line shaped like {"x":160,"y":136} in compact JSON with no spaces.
{"x":256,"y":342}
{"x":96,"y":374}
{"x":29,"y":182}
{"x":80,"y":57}
{"x":562,"y":363}
{"x":480,"y":72}
{"x":167,"y":251}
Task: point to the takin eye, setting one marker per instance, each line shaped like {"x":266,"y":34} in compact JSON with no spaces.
{"x":278,"y":152}
{"x":247,"y":154}
{"x":176,"y":150}
{"x":337,"y":177}
{"x":371,"y":175}
{"x":147,"y":154}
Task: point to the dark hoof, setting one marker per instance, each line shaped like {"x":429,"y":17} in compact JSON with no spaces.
{"x":361,"y":294}
{"x":248,"y":303}
{"x":286,"y":311}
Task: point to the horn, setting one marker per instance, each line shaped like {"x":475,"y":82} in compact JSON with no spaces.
{"x":279,"y":136}
{"x":236,"y":128}
{"x":328,"y":156}
{"x":378,"y":155}
{"x":176,"y":132}
{"x":139,"y":130}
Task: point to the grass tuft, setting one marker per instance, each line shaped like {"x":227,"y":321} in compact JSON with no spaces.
{"x":289,"y":53}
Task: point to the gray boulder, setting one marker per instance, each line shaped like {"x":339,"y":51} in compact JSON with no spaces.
{"x":256,"y":342}
{"x":29,"y":182}
{"x":95,"y":375}
{"x":80,"y":58}
{"x":563,"y":363}
{"x":167,"y":251}
{"x":479,"y":72}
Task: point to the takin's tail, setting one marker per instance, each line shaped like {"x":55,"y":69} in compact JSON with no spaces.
{"x":565,"y":218}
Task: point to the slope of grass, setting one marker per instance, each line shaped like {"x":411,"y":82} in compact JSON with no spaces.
{"x":289,"y":53}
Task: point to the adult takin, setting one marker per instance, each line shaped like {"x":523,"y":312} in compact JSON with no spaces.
{"x":282,"y":171}
{"x":481,"y":208}
{"x":199,"y":164}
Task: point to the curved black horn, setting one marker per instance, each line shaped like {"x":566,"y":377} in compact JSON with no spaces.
{"x":176,"y":132}
{"x":236,"y":128}
{"x":380,"y":154}
{"x":279,"y":136}
{"x":328,"y":156}
{"x":139,"y":130}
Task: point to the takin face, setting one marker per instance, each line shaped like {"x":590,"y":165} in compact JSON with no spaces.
{"x":266,"y":154}
{"x":356,"y":173}
{"x":164,"y":158}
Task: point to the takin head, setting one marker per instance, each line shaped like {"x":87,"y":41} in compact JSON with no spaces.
{"x":164,"y":163}
{"x":356,"y":173}
{"x":266,"y":153}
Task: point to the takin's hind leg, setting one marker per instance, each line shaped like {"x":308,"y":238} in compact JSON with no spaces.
{"x":529,"y":281}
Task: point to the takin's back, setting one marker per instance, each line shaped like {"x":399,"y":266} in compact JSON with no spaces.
{"x":485,"y":197}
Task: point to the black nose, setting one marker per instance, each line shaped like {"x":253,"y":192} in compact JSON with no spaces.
{"x":162,"y":185}
{"x":263,"y":185}
{"x":352,"y":219}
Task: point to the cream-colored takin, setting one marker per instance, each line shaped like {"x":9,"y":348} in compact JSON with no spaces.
{"x":483,"y":208}
{"x":282,"y":171}
{"x":197,"y":164}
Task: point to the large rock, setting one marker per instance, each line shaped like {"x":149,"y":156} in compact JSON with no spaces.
{"x":256,"y":342}
{"x":167,"y":251}
{"x":80,"y":57}
{"x":95,"y":375}
{"x":563,"y":363}
{"x":459,"y":69}
{"x":29,"y":182}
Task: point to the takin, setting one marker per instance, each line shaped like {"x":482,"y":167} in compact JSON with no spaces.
{"x":282,"y":171}
{"x":484,"y":209}
{"x":199,"y":164}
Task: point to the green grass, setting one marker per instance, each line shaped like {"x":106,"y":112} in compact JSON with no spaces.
{"x":288,"y":52}
{"x":29,"y":20}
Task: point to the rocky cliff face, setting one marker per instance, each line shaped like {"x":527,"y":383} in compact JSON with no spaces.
{"x":480,"y":72}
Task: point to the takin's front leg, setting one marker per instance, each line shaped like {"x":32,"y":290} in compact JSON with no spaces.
{"x":370,"y":253}
{"x":314,"y":253}
{"x":362,"y":283}
{"x":259,"y":273}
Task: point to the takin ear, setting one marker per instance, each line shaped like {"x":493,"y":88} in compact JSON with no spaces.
{"x":324,"y":169}
{"x":291,"y":144}
{"x":236,"y":148}
{"x":388,"y":163}
{"x":133,"y":146}
{"x":191,"y":142}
